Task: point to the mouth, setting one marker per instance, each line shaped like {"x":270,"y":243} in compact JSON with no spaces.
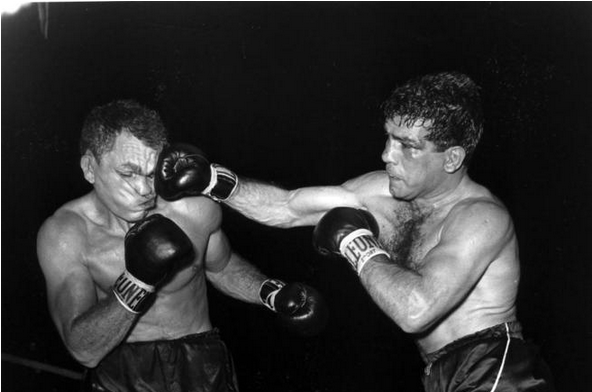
{"x":393,"y":176}
{"x":148,"y":204}
{"x":391,"y":171}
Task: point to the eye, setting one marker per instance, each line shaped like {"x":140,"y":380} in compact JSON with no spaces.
{"x":126,"y":174}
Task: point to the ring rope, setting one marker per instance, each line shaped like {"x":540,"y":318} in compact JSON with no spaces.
{"x":42,"y":366}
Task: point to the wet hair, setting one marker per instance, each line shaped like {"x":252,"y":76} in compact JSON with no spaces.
{"x":448,"y":104}
{"x":104,"y":123}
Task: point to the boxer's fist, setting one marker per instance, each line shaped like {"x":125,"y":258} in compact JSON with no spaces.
{"x":153,"y":248}
{"x":183,"y":170}
{"x":348,"y":232}
{"x":300,"y":308}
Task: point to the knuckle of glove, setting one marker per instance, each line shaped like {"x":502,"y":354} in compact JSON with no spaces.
{"x":334,"y":226}
{"x":311,"y":318}
{"x":181,"y":170}
{"x":193,"y":179}
{"x":290,"y":298}
{"x":153,"y":245}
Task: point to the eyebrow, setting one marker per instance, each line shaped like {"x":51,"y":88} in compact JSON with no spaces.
{"x":135,"y":168}
{"x":407,"y":140}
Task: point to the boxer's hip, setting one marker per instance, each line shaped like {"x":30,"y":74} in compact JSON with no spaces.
{"x":197,"y":362}
{"x":494,"y":359}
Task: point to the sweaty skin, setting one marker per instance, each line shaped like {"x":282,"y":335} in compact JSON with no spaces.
{"x":454,"y":266}
{"x":81,"y":252}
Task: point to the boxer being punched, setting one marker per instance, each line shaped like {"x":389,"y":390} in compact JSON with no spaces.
{"x":435,"y":250}
{"x":126,"y":271}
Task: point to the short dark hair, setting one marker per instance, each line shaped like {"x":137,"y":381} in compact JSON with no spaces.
{"x":104,"y":123}
{"x":448,"y":104}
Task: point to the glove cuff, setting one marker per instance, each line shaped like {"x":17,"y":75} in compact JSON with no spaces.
{"x":268,"y":291}
{"x":359,"y":246}
{"x":223,"y":183}
{"x":131,"y":292}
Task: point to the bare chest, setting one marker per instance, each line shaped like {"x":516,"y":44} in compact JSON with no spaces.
{"x":407,"y":233}
{"x":105,"y":260}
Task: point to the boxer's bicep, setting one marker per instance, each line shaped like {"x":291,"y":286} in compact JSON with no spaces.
{"x":307,"y":205}
{"x":274,"y":206}
{"x":70,"y":288}
{"x":218,"y":252}
{"x":229,"y":272}
{"x":70,"y":298}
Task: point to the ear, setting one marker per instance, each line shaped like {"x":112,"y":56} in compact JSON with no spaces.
{"x":454,"y":159}
{"x":87,"y":164}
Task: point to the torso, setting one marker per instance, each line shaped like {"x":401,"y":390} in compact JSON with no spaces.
{"x":409,"y":234}
{"x":181,"y":305}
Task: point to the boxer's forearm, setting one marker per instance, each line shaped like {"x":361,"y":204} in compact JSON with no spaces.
{"x":239,"y":279}
{"x":273,"y":206}
{"x":399,"y":292}
{"x":261,"y":202}
{"x":93,"y":334}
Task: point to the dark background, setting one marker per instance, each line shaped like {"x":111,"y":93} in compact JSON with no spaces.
{"x":289,"y":93}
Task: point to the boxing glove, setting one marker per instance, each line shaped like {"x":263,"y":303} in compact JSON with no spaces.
{"x":300,"y":308}
{"x":350,"y":233}
{"x":183,"y":170}
{"x":153,"y":248}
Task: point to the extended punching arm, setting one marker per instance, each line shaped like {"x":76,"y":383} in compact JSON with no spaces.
{"x":183,"y":170}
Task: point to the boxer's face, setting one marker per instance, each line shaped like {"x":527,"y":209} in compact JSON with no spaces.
{"x":413,"y":164}
{"x":124,"y":178}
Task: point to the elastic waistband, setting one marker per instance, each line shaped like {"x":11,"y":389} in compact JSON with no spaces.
{"x":194,"y":337}
{"x":497,"y":331}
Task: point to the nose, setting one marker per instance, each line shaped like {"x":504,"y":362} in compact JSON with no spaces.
{"x":389,"y":153}
{"x":144,"y":186}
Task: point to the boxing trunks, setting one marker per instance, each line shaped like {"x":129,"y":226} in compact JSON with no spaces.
{"x":494,"y":359}
{"x":193,"y":363}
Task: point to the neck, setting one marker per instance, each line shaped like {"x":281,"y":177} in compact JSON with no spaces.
{"x":108,"y":218}
{"x":449,"y":192}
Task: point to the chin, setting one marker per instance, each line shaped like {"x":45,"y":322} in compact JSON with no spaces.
{"x":136,"y":216}
{"x":398,"y":195}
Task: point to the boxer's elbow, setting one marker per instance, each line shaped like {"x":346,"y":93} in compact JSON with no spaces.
{"x":413,"y":325}
{"x":81,"y":352}
{"x":85,"y":357}
{"x":417,"y":317}
{"x":88,"y":362}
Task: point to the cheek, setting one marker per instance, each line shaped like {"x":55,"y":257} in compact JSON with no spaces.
{"x":116,"y":189}
{"x":417,"y":170}
{"x":411,"y":164}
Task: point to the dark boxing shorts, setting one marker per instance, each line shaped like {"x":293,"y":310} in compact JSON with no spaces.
{"x":199,"y":362}
{"x":494,"y":359}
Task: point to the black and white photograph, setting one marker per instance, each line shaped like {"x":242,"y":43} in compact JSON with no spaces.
{"x":296,"y":196}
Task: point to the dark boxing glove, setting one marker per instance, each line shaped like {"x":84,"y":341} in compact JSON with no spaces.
{"x":300,"y":308}
{"x":350,"y":233}
{"x":183,"y":170}
{"x":153,"y":248}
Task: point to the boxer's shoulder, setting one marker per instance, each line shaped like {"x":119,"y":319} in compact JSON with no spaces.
{"x":369,"y":186}
{"x":69,"y":218}
{"x":483,"y":214}
{"x":478,"y":201}
{"x":193,"y":214}
{"x":62,"y":237}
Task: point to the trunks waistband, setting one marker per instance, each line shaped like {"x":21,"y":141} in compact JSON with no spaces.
{"x":194,"y":337}
{"x":497,"y":331}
